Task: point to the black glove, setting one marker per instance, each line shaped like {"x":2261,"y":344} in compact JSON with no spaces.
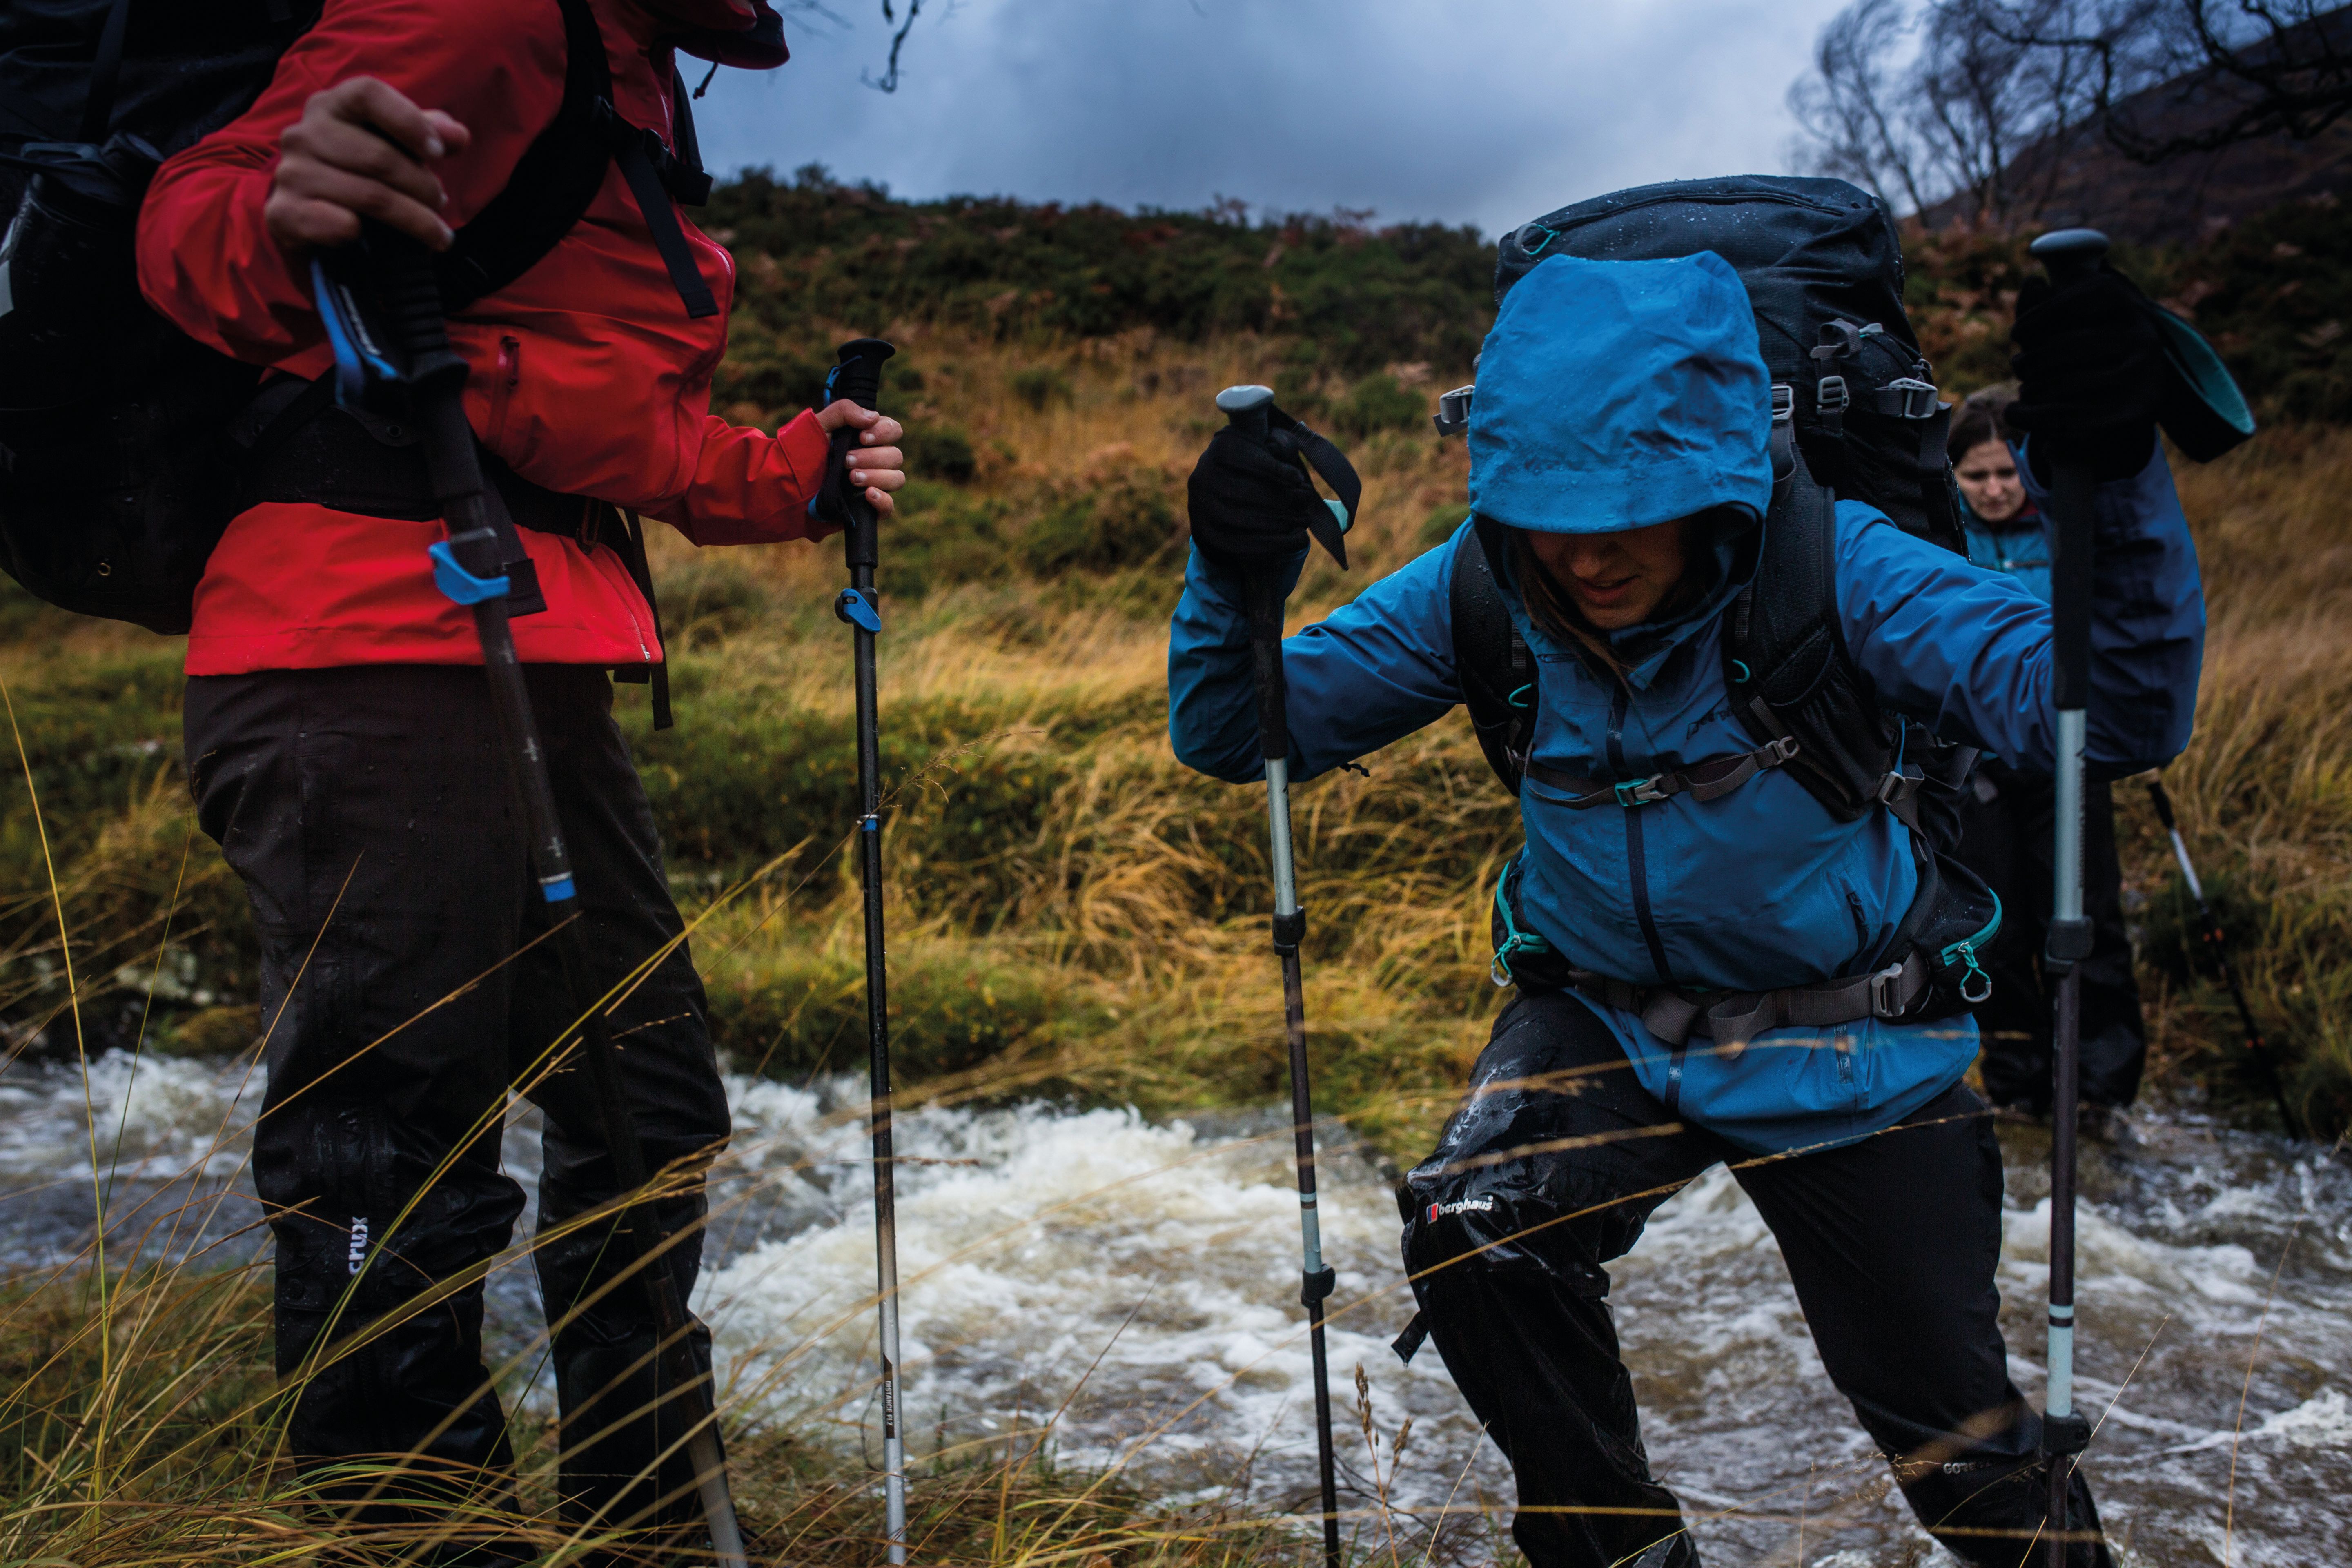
{"x":2090,"y":370}
{"x":1250,"y":502}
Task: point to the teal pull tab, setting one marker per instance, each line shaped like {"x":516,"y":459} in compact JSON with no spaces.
{"x":1514,"y":940}
{"x":1975,"y":985}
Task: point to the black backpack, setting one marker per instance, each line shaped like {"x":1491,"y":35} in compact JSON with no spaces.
{"x":1855,"y":413}
{"x":123,"y":455}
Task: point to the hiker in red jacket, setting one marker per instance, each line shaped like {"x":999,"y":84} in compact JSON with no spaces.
{"x":341,"y":742}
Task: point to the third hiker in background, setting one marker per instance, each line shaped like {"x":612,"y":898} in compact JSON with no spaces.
{"x":2005,"y":833}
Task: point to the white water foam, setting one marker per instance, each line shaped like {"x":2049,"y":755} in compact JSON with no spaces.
{"x":151,"y":1116}
{"x":1141,"y":1279}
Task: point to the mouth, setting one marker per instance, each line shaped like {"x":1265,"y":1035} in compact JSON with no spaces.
{"x":1605,"y":594}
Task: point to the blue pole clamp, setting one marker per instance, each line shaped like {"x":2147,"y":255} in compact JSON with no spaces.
{"x":857,"y":610}
{"x":461,"y":586}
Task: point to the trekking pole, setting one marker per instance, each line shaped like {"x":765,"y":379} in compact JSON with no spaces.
{"x":2067,"y":254}
{"x":478,"y":565}
{"x":858,"y":378}
{"x":1244,"y":408}
{"x":2208,"y":932}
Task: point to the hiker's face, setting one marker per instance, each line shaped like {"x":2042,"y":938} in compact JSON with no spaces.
{"x":1988,"y":476}
{"x":1616,"y":579}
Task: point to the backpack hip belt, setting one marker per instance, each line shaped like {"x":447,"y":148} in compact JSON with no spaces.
{"x":1952,"y":920}
{"x":1677,"y":1016}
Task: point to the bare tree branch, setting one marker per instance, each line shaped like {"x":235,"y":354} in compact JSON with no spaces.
{"x":888,"y":81}
{"x":2168,"y":78}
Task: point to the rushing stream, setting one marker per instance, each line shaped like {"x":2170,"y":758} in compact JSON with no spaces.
{"x":1133,"y":1284}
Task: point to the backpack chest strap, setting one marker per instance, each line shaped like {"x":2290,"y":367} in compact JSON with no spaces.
{"x":1708,"y":780}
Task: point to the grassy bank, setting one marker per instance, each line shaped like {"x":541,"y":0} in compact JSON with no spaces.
{"x":142,"y":1428}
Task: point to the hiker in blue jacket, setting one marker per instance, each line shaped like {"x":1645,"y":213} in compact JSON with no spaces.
{"x":2005,"y":816}
{"x":1622,"y":437}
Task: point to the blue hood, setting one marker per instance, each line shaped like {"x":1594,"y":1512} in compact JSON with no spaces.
{"x":1615,"y":395}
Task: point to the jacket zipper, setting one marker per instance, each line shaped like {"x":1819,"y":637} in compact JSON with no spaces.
{"x":1636,"y":866}
{"x":502,"y":385}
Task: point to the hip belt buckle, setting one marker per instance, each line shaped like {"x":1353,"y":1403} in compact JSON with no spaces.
{"x":1886,"y":993}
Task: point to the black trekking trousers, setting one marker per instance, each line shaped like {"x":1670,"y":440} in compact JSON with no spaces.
{"x":370,"y":813}
{"x":2006,"y":823}
{"x":1550,"y":1169}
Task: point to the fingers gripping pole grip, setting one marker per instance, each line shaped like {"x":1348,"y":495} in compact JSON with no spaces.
{"x":857,"y":378}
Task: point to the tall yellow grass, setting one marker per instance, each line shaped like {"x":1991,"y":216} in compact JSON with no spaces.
{"x":138,"y":1424}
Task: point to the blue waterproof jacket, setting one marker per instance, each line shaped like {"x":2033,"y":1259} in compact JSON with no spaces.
{"x":2020,"y":547}
{"x":1760,"y":889}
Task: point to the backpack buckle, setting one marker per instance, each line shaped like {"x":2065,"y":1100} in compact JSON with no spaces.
{"x":1906,"y":397}
{"x":1830,"y":398}
{"x":1886,"y":993}
{"x":1453,"y":416}
{"x":1897,"y":785}
{"x":1638,"y":792}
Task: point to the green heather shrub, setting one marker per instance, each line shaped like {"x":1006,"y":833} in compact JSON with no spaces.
{"x":938,"y":452}
{"x":1439,"y":525}
{"x":1377,"y":402}
{"x":949,"y":538}
{"x":797,"y":1008}
{"x":1355,"y":297}
{"x":1126,"y":520}
{"x":706,"y":598}
{"x":1041,"y":387}
{"x":782,"y":380}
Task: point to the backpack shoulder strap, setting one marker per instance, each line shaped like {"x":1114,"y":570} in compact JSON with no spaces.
{"x":1496,"y":670}
{"x":1785,"y":662}
{"x":553,"y":183}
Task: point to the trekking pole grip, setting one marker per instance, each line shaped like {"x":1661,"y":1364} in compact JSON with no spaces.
{"x":1261,"y":599}
{"x":2068,"y":255}
{"x":859,"y":379}
{"x":1245,"y":409}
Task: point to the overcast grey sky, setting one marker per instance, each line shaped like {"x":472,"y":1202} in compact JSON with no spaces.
{"x":1485,"y":111}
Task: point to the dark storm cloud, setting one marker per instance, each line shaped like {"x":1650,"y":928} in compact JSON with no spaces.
{"x":1483,"y":113}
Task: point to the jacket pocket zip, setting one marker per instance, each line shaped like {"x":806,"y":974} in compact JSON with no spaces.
{"x":502,"y":385}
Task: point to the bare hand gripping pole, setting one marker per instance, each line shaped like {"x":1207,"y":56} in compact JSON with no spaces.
{"x":381,"y":309}
{"x":1245,"y":409}
{"x":2067,"y":254}
{"x":858,"y":378}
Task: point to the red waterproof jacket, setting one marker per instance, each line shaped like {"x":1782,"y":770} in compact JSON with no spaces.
{"x":588,"y":377}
